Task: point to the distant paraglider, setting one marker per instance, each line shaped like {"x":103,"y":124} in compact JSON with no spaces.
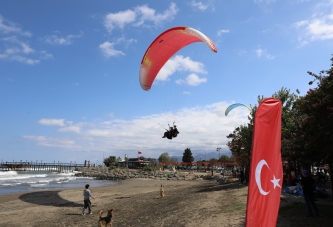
{"x":233,"y":106}
{"x":164,"y":47}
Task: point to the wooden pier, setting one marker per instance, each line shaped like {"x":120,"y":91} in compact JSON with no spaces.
{"x":29,"y":166}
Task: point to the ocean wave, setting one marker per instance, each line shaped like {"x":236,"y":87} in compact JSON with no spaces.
{"x":22,"y":176}
{"x":38,"y":185}
{"x":8,"y":173}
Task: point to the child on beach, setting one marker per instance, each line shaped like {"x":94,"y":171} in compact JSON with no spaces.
{"x":87,"y":204}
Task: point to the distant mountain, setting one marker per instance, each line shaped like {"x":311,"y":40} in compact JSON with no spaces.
{"x":203,"y":156}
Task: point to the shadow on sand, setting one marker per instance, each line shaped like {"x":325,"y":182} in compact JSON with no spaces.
{"x":48,"y":198}
{"x":222,"y":187}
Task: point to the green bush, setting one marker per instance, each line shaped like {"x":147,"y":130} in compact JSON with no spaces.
{"x":149,"y":168}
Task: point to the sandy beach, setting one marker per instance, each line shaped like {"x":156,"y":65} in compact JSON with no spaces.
{"x":136,"y":202}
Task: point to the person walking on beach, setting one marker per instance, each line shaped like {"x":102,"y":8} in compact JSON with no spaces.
{"x":87,"y":204}
{"x":307,"y":184}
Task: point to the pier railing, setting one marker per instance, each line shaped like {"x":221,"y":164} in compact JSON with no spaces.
{"x":34,"y":166}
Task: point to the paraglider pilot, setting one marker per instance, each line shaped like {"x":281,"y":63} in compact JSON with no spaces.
{"x":175,"y":131}
{"x":172,"y":132}
{"x":168,"y":134}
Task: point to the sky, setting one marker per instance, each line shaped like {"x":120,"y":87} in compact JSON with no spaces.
{"x":69,"y":73}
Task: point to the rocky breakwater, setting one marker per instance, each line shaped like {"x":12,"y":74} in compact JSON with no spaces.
{"x":104,"y":173}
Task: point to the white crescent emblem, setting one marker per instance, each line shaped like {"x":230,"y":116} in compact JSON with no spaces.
{"x":258,"y":174}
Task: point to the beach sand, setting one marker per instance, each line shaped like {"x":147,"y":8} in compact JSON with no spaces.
{"x":135,"y":202}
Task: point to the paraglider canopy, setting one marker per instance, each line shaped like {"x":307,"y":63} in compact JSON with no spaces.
{"x":233,"y":106}
{"x":164,"y":47}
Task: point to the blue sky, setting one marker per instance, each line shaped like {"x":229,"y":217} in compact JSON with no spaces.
{"x":69,"y":72}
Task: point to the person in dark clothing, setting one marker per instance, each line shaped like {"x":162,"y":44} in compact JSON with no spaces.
{"x":241,"y":176}
{"x":175,"y":131}
{"x":168,"y":134}
{"x":307,"y":184}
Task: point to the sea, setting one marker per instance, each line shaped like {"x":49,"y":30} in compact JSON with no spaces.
{"x":28,"y":181}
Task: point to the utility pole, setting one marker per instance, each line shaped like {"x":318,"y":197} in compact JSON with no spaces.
{"x":218,"y":151}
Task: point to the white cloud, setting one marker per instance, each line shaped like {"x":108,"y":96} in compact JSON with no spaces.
{"x":7,"y":26}
{"x":148,"y":14}
{"x":263,"y":53}
{"x":138,"y":17}
{"x":71,"y":128}
{"x":14,"y":49}
{"x":52,"y":122}
{"x":56,"y":40}
{"x":17,"y":50}
{"x":119,"y":19}
{"x":180,"y":63}
{"x":220,"y":32}
{"x":199,"y":5}
{"x":64,"y":143}
{"x":197,"y":128}
{"x":319,"y":27}
{"x":108,"y":50}
{"x":26,"y":48}
{"x":301,"y":23}
{"x":125,"y":41}
{"x":259,"y":52}
{"x":195,"y":80}
{"x":45,"y":55}
{"x":23,"y":59}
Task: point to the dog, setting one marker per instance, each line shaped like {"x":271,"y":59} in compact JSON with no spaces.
{"x":107,"y":220}
{"x":162,"y":191}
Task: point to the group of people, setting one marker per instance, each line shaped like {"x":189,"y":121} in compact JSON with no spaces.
{"x":171,"y":133}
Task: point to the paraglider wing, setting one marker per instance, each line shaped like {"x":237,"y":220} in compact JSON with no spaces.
{"x":233,"y":106}
{"x":164,"y":47}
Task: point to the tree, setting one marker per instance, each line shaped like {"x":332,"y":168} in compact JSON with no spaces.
{"x":110,"y":161}
{"x":241,"y":138}
{"x":213,"y":161}
{"x":187,"y":156}
{"x":315,"y":121}
{"x":164,"y":157}
{"x":224,"y":158}
{"x":241,"y":144}
{"x":119,"y":159}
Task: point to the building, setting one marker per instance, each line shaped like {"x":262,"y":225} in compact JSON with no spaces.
{"x":140,"y":162}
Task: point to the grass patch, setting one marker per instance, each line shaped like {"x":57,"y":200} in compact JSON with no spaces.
{"x":295,"y":215}
{"x":244,"y":195}
{"x":235,"y":207}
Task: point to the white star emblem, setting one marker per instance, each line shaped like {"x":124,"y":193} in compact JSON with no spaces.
{"x":276,"y":182}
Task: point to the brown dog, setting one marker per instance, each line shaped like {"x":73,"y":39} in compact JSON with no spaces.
{"x":162,"y":191}
{"x":107,"y":220}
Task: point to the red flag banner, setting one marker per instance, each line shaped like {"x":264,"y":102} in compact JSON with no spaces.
{"x":266,"y":174}
{"x":139,"y":152}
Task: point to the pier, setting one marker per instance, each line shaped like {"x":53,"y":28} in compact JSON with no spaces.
{"x":34,"y":166}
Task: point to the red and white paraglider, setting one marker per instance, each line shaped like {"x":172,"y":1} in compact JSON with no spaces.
{"x":164,"y":47}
